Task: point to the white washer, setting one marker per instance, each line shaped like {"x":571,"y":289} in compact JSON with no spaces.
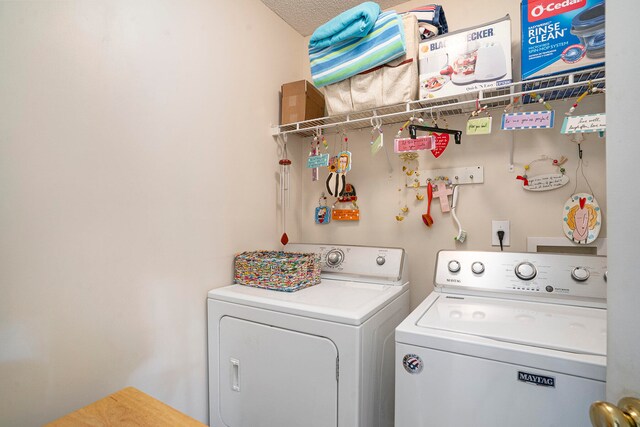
{"x":319,"y":357}
{"x":505,"y":339}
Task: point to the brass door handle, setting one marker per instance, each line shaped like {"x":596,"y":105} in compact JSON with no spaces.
{"x":625,"y":414}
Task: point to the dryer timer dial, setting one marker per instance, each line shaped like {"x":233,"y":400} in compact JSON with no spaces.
{"x":525,"y":270}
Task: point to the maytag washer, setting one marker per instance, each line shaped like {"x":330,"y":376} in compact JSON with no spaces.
{"x":504,"y":339}
{"x":319,"y":357}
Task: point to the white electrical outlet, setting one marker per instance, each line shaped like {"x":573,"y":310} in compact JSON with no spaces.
{"x":495,"y":227}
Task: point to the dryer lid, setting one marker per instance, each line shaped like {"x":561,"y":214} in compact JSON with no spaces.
{"x":551,"y":326}
{"x":339,"y":301}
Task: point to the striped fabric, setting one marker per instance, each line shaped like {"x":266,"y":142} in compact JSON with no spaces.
{"x":340,"y":61}
{"x":431,"y":20}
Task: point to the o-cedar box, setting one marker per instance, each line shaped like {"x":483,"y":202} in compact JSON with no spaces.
{"x":561,"y":36}
{"x":466,"y":61}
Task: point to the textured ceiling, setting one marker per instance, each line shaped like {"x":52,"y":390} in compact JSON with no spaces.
{"x":307,"y":15}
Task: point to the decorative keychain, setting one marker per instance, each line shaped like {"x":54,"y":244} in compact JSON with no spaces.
{"x":323,"y":212}
{"x":582,"y":216}
{"x":545,"y":182}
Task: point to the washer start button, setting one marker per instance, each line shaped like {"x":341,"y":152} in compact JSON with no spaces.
{"x":549,"y":288}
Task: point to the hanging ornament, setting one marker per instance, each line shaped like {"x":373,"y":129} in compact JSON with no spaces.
{"x":338,"y":167}
{"x":544,"y":182}
{"x":350,"y":214}
{"x":323,"y":212}
{"x":582,"y":216}
{"x":317,"y":160}
{"x":409,"y":169}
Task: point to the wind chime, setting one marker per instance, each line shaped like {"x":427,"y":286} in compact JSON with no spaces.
{"x":285,"y":164}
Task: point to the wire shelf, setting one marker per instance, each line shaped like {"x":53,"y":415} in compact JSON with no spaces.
{"x":554,"y":88}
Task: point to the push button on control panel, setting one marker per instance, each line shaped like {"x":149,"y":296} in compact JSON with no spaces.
{"x":380,"y":260}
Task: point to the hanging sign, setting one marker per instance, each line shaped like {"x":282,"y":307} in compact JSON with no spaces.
{"x":318,"y":161}
{"x":545,"y":182}
{"x":479,"y":126}
{"x":585,"y":124}
{"x":528,"y":120}
{"x":405,"y":145}
{"x":582,"y":218}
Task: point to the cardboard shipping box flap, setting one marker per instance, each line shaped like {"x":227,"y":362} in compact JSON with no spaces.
{"x":301,"y":101}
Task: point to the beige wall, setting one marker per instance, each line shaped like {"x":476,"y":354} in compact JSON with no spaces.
{"x":135,"y":160}
{"x":500,"y":197}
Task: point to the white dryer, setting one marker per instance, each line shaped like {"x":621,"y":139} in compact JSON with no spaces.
{"x":319,"y":357}
{"x":505,"y":339}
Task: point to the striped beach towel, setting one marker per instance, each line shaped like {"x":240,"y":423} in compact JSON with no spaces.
{"x":338,"y":62}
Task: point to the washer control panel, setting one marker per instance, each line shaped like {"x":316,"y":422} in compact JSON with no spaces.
{"x":544,"y":275}
{"x":358,"y":263}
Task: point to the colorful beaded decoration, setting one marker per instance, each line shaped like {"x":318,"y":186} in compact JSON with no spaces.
{"x":555,"y":162}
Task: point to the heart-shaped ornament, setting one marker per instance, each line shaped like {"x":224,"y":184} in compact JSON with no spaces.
{"x":442,"y":140}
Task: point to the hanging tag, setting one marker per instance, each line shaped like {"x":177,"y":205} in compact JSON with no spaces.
{"x":318,"y":161}
{"x":344,"y":162}
{"x":323,"y":215}
{"x":479,"y":126}
{"x":377,"y":144}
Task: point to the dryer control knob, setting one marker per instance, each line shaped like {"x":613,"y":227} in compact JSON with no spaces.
{"x":380,"y":260}
{"x":477,"y":267}
{"x":334,"y":257}
{"x":454,"y":266}
{"x":526,"y":271}
{"x":580,"y":274}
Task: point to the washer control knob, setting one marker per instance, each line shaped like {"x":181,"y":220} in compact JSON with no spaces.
{"x":477,"y":267}
{"x":454,"y":266}
{"x":580,"y":274}
{"x":380,"y":260}
{"x":526,"y":271}
{"x":334,"y":257}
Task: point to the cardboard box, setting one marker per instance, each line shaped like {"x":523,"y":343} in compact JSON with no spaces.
{"x":466,"y":61}
{"x":560,"y":36}
{"x":301,"y":101}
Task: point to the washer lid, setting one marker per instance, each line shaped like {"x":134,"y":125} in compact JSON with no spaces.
{"x":552,"y":326}
{"x":339,"y":301}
